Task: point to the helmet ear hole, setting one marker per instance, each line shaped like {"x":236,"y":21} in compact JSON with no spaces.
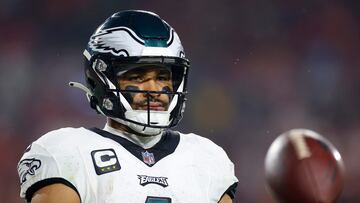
{"x":93,"y":102}
{"x":91,"y":84}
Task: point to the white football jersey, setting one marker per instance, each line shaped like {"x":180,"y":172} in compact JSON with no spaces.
{"x":105,"y":168}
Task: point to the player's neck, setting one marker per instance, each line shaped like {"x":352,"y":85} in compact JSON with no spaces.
{"x":124,"y":131}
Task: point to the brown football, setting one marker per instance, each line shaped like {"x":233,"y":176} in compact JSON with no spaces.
{"x":301,"y":166}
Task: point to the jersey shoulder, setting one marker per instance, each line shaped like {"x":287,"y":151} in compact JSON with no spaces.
{"x":52,"y":157}
{"x":203,"y":145}
{"x":68,"y":136}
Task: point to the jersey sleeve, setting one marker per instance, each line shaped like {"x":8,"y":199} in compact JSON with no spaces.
{"x":213,"y":161}
{"x":44,"y":163}
{"x":224,"y":180}
{"x":36,"y":165}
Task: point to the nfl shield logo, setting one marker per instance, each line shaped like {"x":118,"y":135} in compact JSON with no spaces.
{"x":148,"y":158}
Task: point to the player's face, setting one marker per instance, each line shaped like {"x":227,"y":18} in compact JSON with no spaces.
{"x":148,"y":79}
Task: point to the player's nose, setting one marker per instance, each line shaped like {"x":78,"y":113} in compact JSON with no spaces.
{"x":151,"y":85}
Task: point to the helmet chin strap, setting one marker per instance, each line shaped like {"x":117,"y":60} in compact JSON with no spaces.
{"x":141,"y":130}
{"x":157,"y":118}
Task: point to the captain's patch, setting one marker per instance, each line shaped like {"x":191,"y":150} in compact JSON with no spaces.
{"x":105,"y":161}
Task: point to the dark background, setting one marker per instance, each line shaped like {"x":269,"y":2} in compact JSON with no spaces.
{"x":259,"y":68}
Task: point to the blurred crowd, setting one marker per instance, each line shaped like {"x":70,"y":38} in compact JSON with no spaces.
{"x":259,"y":68}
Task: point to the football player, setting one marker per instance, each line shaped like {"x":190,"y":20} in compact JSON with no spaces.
{"x":136,"y":74}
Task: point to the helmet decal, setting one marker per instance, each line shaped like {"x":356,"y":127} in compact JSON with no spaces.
{"x":112,"y":41}
{"x":120,"y":41}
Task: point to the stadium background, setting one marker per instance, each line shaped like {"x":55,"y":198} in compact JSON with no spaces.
{"x":259,"y":68}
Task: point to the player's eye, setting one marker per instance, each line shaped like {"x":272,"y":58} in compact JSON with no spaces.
{"x":163,"y":77}
{"x":134,"y":78}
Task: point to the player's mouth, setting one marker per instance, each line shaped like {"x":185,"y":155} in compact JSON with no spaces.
{"x":154,"y":106}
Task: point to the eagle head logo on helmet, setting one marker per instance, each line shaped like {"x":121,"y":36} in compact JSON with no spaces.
{"x":126,"y":40}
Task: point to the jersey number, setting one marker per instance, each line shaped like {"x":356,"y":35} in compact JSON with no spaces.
{"x":158,"y":200}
